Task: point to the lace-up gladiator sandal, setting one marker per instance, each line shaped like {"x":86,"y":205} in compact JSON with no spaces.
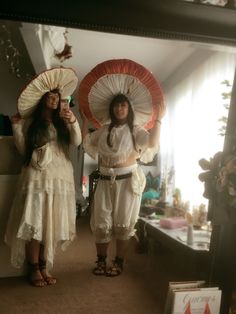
{"x":49,"y":280}
{"x":34,"y":275}
{"x":116,"y":268}
{"x":100,"y":269}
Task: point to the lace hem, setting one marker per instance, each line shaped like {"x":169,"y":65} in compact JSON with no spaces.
{"x":29,"y":232}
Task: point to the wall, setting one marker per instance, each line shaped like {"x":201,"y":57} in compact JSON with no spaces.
{"x":10,"y":85}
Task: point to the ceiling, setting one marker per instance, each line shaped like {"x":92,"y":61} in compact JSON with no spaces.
{"x":161,"y":56}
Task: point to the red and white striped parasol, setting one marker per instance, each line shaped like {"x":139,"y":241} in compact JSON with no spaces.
{"x":124,"y":76}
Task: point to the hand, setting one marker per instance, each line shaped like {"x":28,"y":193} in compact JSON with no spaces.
{"x":16,"y":118}
{"x":68,"y":116}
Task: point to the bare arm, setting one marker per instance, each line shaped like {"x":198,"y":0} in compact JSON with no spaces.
{"x":154,"y":137}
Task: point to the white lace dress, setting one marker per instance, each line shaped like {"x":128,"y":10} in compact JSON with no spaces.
{"x":44,"y":207}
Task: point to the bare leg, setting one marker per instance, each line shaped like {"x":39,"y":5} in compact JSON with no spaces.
{"x":102,"y":248}
{"x":50,"y":280}
{"x":121,"y":247}
{"x":100,"y":269}
{"x":117,"y":265}
{"x":32,"y":249}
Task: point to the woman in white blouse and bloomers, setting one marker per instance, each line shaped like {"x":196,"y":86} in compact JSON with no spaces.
{"x":118,"y":193}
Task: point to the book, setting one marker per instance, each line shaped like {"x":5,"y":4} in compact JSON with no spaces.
{"x":192,"y":297}
{"x":180,"y":285}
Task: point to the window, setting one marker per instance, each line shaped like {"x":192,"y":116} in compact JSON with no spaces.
{"x":191,"y":126}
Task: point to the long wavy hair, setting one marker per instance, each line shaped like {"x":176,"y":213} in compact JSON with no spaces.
{"x":120,"y":98}
{"x":37,"y":133}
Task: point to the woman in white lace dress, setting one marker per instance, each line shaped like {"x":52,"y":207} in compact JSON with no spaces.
{"x":43,"y":213}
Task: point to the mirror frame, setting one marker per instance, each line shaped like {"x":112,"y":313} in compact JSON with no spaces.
{"x":169,"y":19}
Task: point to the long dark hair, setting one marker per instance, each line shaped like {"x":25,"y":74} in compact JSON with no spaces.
{"x":120,"y":98}
{"x":37,"y":133}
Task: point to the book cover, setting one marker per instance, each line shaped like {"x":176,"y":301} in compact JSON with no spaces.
{"x":179,"y":285}
{"x":191,"y":297}
{"x":197,"y":301}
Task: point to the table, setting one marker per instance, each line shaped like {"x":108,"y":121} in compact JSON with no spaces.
{"x":195,"y":257}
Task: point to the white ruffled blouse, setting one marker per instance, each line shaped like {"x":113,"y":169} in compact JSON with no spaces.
{"x":95,"y":144}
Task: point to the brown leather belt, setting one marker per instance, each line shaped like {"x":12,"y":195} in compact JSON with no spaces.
{"x":119,"y":177}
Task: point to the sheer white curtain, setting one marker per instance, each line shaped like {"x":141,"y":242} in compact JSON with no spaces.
{"x":190,"y":129}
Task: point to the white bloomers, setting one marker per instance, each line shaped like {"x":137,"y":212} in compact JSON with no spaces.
{"x":116,"y":204}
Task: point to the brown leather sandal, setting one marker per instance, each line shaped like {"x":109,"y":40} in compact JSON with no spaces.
{"x":116,"y":268}
{"x":100,"y":269}
{"x":50,"y":280}
{"x":33,"y":270}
